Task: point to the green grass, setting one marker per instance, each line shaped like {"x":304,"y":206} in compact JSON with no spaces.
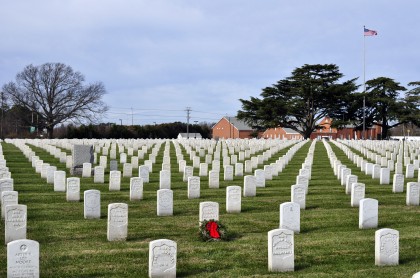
{"x":330,"y":243}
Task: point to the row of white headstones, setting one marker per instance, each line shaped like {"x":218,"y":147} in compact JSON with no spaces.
{"x":117,"y":213}
{"x":386,"y":240}
{"x":279,"y":237}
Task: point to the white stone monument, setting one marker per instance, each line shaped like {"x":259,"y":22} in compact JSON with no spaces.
{"x":398,"y":183}
{"x":298,"y":195}
{"x":209,"y":211}
{"x":92,"y":204}
{"x":357,"y":194}
{"x":250,"y":186}
{"x":15,"y":218}
{"x":281,"y":254}
{"x":73,"y":189}
{"x":162,"y":258}
{"x":23,"y":259}
{"x":413,"y":189}
{"x":136,"y":189}
{"x":387,"y":247}
{"x":233,"y":199}
{"x":117,"y":222}
{"x":165,"y":202}
{"x":368,"y":213}
{"x":290,"y":216}
{"x":114,"y":181}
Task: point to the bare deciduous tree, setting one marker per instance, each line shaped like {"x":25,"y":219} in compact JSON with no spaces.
{"x":58,"y":94}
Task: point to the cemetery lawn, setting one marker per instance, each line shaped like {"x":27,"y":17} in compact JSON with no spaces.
{"x":330,"y":243}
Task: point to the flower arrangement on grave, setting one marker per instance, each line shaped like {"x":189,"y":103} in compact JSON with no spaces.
{"x":212,"y":230}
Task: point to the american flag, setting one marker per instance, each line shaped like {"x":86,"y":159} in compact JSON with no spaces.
{"x":370,"y":32}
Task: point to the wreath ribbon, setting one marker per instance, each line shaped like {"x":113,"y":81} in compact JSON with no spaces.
{"x":212,"y":228}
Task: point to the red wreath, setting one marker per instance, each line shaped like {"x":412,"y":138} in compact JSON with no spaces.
{"x":212,"y":230}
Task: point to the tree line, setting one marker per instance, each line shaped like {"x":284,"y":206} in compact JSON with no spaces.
{"x":312,"y":92}
{"x":45,"y":97}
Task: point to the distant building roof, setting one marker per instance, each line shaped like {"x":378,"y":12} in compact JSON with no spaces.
{"x":189,"y":135}
{"x":239,"y":124}
{"x":290,"y":131}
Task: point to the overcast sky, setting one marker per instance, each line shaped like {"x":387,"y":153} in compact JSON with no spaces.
{"x":158,"y":57}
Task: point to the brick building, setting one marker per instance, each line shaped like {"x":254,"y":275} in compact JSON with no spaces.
{"x":348,"y":132}
{"x":231,"y":127}
{"x":282,"y":133}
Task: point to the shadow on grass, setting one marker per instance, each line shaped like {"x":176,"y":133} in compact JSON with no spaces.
{"x":302,"y":266}
{"x":309,"y":230}
{"x":311,"y":207}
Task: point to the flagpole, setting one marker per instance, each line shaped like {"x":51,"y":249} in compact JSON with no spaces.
{"x":364,"y":84}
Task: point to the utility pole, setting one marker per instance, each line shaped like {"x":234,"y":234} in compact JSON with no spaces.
{"x":188,"y":109}
{"x":132,"y":120}
{"x":195,"y":130}
{"x":2,"y":109}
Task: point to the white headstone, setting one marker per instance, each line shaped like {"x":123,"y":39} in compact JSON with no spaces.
{"x":349,"y":181}
{"x":215,"y":165}
{"x":165,"y":202}
{"x":209,"y":211}
{"x":260,"y":177}
{"x":87,"y":170}
{"x":357,"y":193}
{"x":136,"y":189}
{"x":298,"y":195}
{"x":214,"y":179}
{"x":149,"y":165}
{"x":290,"y":216}
{"x":165,"y":179}
{"x":233,"y":199}
{"x":398,"y":168}
{"x":228,"y":172}
{"x":239,"y":169}
{"x":59,"y":181}
{"x":181,"y":165}
{"x":23,"y":259}
{"x":193,"y":187}
{"x":50,"y":174}
{"x":73,"y":189}
{"x":250,"y":186}
{"x":398,"y":183}
{"x":188,"y":172}
{"x":384,"y":176}
{"x":99,"y":174}
{"x":162,"y":258}
{"x":303,"y":180}
{"x":144,"y":173}
{"x":44,"y":169}
{"x":127,"y":170}
{"x":114,"y":181}
{"x":15,"y":222}
{"x":123,"y":158}
{"x":92,"y":204}
{"x":203,"y":169}
{"x":409,"y":171}
{"x":413,"y":189}
{"x":368,"y":213}
{"x":103,"y":161}
{"x":117,"y":221}
{"x":8,"y":198}
{"x":281,"y":254}
{"x":376,"y":171}
{"x":387,"y":247}
{"x":6,"y":184}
